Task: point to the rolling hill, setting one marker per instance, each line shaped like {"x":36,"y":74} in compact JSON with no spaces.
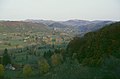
{"x":76,"y":23}
{"x":20,"y":26}
{"x":79,"y":26}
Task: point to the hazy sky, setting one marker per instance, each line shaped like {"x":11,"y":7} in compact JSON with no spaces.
{"x":60,"y":9}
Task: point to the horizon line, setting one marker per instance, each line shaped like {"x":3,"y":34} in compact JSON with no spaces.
{"x":57,"y":20}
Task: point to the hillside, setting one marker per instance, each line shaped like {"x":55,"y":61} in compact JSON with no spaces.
{"x":76,"y":22}
{"x":19,"y":26}
{"x":93,"y":26}
{"x":57,"y":25}
{"x":78,"y":26}
{"x":46,"y":22}
{"x":96,"y":47}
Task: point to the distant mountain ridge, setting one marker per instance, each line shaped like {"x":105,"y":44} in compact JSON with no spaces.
{"x":81,"y":26}
{"x":46,"y":22}
{"x":76,"y":22}
{"x":74,"y":26}
{"x":94,"y":25}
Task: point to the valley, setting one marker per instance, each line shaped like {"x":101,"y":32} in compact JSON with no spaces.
{"x":17,"y":34}
{"x":46,"y":49}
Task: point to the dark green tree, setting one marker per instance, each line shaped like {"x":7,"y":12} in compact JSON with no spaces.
{"x":0,"y":60}
{"x":6,"y":58}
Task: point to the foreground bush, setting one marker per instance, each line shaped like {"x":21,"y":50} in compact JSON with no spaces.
{"x":43,"y":66}
{"x":1,"y":71}
{"x":27,"y":71}
{"x":56,"y":59}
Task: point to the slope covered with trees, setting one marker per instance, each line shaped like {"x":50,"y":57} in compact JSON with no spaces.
{"x":96,"y":47}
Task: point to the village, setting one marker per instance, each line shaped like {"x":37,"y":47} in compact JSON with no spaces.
{"x":18,"y":40}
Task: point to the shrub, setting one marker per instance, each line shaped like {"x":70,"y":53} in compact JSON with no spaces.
{"x":1,"y":71}
{"x":56,"y":59}
{"x":43,"y":66}
{"x":27,"y":70}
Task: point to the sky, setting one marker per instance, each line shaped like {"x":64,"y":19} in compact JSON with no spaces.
{"x":60,"y":9}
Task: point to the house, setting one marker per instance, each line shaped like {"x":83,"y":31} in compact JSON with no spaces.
{"x":1,"y":42}
{"x":10,"y":67}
